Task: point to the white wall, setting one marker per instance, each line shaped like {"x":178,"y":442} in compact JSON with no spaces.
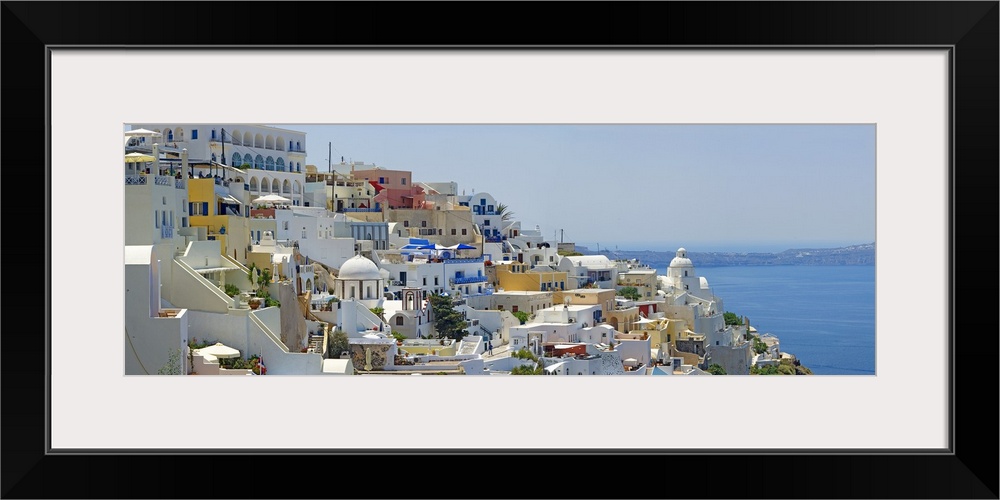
{"x":148,"y":341}
{"x":638,"y":349}
{"x":332,"y":252}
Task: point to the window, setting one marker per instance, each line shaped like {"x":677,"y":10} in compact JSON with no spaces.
{"x":685,"y":273}
{"x":465,"y":231}
{"x":425,"y":280}
{"x":204,"y":208}
{"x":406,"y":223}
{"x":487,"y":222}
{"x":284,"y":225}
{"x":184,"y":207}
{"x":194,"y":133}
{"x":435,"y":280}
{"x":453,"y":231}
{"x":399,"y":320}
{"x":156,"y":218}
{"x":489,"y":208}
{"x":513,"y":309}
{"x":184,"y":222}
{"x":381,"y":180}
{"x":403,"y":181}
{"x":423,"y":223}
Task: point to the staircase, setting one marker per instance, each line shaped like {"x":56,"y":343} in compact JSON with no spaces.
{"x":315,"y":344}
{"x":487,"y":335}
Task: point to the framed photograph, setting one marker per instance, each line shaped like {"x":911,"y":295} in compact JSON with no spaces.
{"x":920,"y":77}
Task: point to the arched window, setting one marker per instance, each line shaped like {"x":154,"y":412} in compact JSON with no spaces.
{"x":269,"y":163}
{"x":258,"y":162}
{"x":280,"y":143}
{"x":399,"y":320}
{"x":275,"y":186}
{"x":298,"y":167}
{"x":269,"y":142}
{"x":247,"y":139}
{"x":169,"y":135}
{"x":296,"y":189}
{"x":253,"y":183}
{"x":280,"y":164}
{"x":235,"y":137}
{"x":265,"y":185}
{"x":286,"y":187}
{"x":298,"y":146}
{"x":237,"y":160}
{"x":258,"y":141}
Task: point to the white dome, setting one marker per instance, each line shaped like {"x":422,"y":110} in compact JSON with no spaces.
{"x":681,"y":259}
{"x":359,"y":268}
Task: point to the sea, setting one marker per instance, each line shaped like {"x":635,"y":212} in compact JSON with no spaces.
{"x":824,"y":315}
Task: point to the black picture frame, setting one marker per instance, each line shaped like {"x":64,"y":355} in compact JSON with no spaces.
{"x":969,"y":28}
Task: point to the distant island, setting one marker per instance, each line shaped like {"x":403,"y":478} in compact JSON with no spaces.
{"x":855,"y":255}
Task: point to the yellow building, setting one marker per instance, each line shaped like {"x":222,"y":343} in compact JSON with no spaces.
{"x":643,"y":279}
{"x":513,"y":276}
{"x":587,"y":296}
{"x":204,"y":208}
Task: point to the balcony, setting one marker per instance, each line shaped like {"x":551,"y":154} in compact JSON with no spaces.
{"x":135,"y":180}
{"x":467,"y":279}
{"x":466,"y":260}
{"x":179,"y":183}
{"x":162,"y":180}
{"x":166,"y":231}
{"x":362,"y":210}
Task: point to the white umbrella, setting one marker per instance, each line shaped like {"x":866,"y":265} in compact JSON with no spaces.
{"x":220,"y":350}
{"x":272,"y":198}
{"x":141,"y":132}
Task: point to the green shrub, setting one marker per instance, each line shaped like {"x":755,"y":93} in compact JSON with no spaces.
{"x":232,"y":290}
{"x":716,"y":369}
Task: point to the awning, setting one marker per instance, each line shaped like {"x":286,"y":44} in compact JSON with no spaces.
{"x":229,"y":200}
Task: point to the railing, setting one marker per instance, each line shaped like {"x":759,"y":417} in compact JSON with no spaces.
{"x":468,"y":279}
{"x":179,"y":183}
{"x":486,"y":331}
{"x":166,"y":231}
{"x":495,"y":239}
{"x":135,"y":180}
{"x":162,"y":180}
{"x":465,"y":260}
{"x":362,"y":209}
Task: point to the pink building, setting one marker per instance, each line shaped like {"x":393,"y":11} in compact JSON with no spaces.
{"x":394,"y":187}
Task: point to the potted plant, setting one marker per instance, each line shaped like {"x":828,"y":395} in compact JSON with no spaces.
{"x":255,"y":303}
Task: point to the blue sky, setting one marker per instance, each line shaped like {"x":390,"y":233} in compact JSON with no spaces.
{"x":643,"y":187}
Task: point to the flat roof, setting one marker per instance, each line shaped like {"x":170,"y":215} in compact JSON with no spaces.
{"x":522,"y":292}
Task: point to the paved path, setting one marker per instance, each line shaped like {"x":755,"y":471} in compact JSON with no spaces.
{"x":498,"y":352}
